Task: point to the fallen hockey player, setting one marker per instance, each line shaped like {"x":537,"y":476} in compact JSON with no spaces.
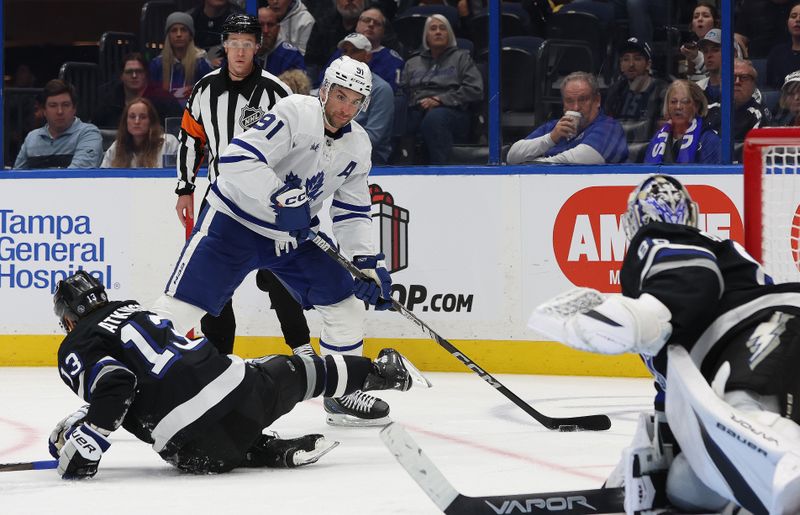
{"x":200,"y":410}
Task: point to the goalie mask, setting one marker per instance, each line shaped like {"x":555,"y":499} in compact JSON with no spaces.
{"x":660,"y":198}
{"x":77,"y":296}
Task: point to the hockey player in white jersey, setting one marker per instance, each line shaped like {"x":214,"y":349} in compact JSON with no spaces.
{"x":723,"y":343}
{"x":273,"y":180}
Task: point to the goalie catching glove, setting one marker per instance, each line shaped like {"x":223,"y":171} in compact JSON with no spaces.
{"x":378,"y":290}
{"x":587,"y":320}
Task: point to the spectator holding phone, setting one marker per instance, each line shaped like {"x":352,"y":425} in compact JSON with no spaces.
{"x":704,"y":18}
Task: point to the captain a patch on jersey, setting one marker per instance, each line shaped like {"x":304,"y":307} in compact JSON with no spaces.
{"x":249,"y":116}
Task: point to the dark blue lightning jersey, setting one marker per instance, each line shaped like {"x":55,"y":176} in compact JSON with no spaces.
{"x":717,"y":293}
{"x":134,"y":369}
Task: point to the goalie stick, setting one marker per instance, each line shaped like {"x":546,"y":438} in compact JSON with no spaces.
{"x":588,"y":422}
{"x":450,"y":501}
{"x":28,"y":465}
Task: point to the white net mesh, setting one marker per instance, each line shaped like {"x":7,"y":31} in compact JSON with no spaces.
{"x":780,"y":204}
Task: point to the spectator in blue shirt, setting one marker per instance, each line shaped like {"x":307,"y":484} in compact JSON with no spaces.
{"x":65,"y":141}
{"x":378,"y":118}
{"x":274,"y":56}
{"x":589,"y":137}
{"x":685,"y":138}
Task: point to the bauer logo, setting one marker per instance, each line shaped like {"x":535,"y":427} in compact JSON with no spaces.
{"x":589,"y":241}
{"x":39,"y":249}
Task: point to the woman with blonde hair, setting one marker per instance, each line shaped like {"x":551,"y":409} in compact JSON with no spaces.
{"x":181,"y":64}
{"x":140,"y":142}
{"x":440,"y":82}
{"x":685,"y":137}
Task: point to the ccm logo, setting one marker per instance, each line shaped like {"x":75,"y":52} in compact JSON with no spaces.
{"x":297,"y":199}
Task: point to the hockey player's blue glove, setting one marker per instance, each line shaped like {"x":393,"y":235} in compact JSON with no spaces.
{"x":293,"y":213}
{"x":83,"y":448}
{"x":378,"y":290}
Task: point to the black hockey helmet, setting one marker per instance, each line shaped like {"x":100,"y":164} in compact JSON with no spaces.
{"x":241,"y":24}
{"x":77,"y":296}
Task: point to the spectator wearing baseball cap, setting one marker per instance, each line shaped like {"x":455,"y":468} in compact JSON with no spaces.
{"x":789,"y":113}
{"x":181,"y":64}
{"x":636,"y":95}
{"x":378,"y":118}
{"x":711,"y":47}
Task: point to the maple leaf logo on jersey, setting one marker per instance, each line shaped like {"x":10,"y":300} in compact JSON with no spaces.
{"x":250,"y":115}
{"x":292,"y":180}
{"x":314,"y":185}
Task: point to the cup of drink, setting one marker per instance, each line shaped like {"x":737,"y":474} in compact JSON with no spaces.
{"x":576,"y":120}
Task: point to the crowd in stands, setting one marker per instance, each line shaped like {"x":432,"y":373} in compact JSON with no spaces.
{"x":640,"y":103}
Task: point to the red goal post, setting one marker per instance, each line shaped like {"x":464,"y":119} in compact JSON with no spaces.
{"x":772,"y":200}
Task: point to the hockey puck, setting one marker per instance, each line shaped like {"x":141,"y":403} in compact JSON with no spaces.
{"x":568,"y":429}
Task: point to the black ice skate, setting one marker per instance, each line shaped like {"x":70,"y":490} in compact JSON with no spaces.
{"x":356,"y":409}
{"x":273,"y":452}
{"x":394,"y":372}
{"x":391,"y":371}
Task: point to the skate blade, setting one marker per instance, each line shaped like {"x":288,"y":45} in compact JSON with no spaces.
{"x":322,"y":447}
{"x":342,"y":420}
{"x":417,"y":377}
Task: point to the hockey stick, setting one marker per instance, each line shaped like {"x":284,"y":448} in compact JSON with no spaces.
{"x":29,"y":465}
{"x":588,"y":422}
{"x":450,"y":501}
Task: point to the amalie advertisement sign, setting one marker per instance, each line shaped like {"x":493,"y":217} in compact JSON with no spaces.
{"x":589,"y":241}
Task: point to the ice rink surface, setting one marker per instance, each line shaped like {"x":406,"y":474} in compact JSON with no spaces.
{"x":481,"y":441}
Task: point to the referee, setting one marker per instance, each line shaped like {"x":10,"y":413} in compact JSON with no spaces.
{"x":222,"y":105}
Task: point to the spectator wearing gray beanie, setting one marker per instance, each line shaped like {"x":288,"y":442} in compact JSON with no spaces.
{"x":181,"y":64}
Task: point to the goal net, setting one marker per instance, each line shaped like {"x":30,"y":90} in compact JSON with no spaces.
{"x":772,"y":200}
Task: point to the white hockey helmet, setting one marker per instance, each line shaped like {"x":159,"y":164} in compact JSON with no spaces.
{"x":659,"y":198}
{"x":350,"y":74}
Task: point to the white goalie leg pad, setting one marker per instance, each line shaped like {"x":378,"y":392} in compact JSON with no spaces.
{"x":342,"y":327}
{"x":585,"y":321}
{"x":184,"y":316}
{"x":733,"y":451}
{"x":643,"y":467}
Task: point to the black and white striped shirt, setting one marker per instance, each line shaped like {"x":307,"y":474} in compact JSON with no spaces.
{"x":219,"y":109}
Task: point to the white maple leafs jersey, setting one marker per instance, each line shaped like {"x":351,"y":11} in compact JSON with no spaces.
{"x":289,"y":145}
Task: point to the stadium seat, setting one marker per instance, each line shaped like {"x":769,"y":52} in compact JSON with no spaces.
{"x":113,"y":48}
{"x":448,"y":11}
{"x":108,"y":135}
{"x":760,"y":66}
{"x":528,"y":43}
{"x":466,"y":44}
{"x":557,"y":59}
{"x":581,"y":26}
{"x":84,"y":77}
{"x":770,"y":98}
{"x":636,"y":130}
{"x":517,"y":92}
{"x":409,"y":31}
{"x":151,"y":26}
{"x":511,"y":24}
{"x":636,"y":151}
